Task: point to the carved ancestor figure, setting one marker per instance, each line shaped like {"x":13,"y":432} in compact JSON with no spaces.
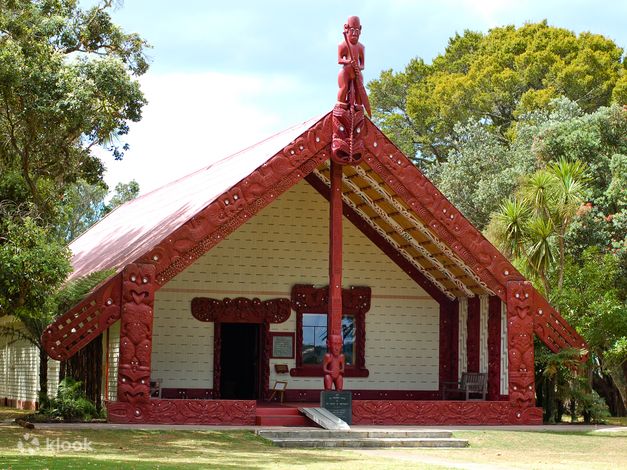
{"x":333,"y":364}
{"x":351,"y":56}
{"x":348,"y":113}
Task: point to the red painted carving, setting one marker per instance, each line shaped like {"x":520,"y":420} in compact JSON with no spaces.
{"x":520,"y":299}
{"x":265,"y":360}
{"x":448,"y":342}
{"x":553,"y":329}
{"x":84,"y":322}
{"x":217,"y":358}
{"x":474,"y":328}
{"x":382,"y":243}
{"x":333,"y":364}
{"x":403,"y":412}
{"x":241,"y":310}
{"x":138,"y":293}
{"x":159,"y":411}
{"x":442,"y":218}
{"x":355,"y":301}
{"x":313,"y":395}
{"x":494,"y":348}
{"x":348,"y":113}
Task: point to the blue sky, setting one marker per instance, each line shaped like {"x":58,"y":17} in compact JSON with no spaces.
{"x":226,"y":74}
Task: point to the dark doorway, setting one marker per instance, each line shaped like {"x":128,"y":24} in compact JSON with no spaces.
{"x":239,"y":361}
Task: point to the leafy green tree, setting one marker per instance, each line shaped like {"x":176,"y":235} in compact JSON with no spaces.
{"x":592,"y":301}
{"x":124,"y":192}
{"x":494,"y":79}
{"x":532,"y":225}
{"x":67,"y":84}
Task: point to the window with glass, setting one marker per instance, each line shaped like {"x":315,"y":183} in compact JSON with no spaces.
{"x":315,"y":338}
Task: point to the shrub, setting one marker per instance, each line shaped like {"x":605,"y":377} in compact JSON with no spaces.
{"x":70,"y":404}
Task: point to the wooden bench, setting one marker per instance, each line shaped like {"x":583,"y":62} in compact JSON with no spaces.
{"x":471,"y":383}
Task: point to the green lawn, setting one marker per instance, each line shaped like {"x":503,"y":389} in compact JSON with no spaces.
{"x":130,"y":449}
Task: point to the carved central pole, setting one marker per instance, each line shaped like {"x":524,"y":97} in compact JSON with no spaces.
{"x":335,"y":255}
{"x":334,"y":360}
{"x":347,"y":148}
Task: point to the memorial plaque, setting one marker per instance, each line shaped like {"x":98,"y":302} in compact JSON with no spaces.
{"x":282,"y":345}
{"x":338,"y":403}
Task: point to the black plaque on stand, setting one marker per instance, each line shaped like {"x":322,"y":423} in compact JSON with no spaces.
{"x":338,"y":403}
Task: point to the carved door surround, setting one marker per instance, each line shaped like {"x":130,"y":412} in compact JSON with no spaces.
{"x":241,"y":310}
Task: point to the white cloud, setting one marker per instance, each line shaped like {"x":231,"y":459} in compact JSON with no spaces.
{"x":193,"y":119}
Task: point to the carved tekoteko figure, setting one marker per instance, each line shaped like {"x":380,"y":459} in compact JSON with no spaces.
{"x":348,"y":113}
{"x":333,"y":364}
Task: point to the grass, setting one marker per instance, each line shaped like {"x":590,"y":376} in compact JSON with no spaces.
{"x":12,"y":413}
{"x":129,"y":449}
{"x":526,"y":450}
{"x":136,"y":449}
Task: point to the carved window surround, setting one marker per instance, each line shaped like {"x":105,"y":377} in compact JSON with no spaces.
{"x":309,"y":299}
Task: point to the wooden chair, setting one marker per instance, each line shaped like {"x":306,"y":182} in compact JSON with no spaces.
{"x":155,"y":388}
{"x":279,"y":387}
{"x":471,"y":383}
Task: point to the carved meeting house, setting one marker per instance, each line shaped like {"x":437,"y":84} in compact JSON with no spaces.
{"x":221,"y":288}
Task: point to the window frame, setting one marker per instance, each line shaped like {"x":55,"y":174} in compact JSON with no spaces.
{"x":309,"y":299}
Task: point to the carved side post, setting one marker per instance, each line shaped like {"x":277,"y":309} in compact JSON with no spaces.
{"x":138,"y":294}
{"x":520,"y":343}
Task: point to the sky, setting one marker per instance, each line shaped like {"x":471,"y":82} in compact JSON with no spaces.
{"x":226,"y":74}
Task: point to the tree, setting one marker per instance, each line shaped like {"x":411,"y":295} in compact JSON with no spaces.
{"x":592,"y":301}
{"x":67,"y":84}
{"x":532,"y":225}
{"x":494,"y":79}
{"x":124,"y":192}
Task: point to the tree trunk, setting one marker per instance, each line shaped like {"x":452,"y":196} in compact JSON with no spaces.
{"x":560,"y":281}
{"x":86,"y":367}
{"x":606,"y":388}
{"x":43,"y":375}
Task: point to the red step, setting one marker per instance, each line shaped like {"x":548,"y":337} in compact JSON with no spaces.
{"x":277,"y":411}
{"x":281,"y":416}
{"x":284,"y":420}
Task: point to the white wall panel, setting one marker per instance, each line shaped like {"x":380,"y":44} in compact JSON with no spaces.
{"x":483,"y":333}
{"x":462,"y":345}
{"x":19,"y":371}
{"x":504,"y":352}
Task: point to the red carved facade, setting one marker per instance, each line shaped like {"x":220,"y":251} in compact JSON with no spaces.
{"x":520,"y":299}
{"x":84,"y":322}
{"x":241,"y":310}
{"x":494,"y":348}
{"x":159,"y":411}
{"x":129,"y":296}
{"x":404,"y":412}
{"x":473,"y":328}
{"x":138,"y":293}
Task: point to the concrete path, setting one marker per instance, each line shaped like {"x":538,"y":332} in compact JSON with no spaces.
{"x":197,"y":427}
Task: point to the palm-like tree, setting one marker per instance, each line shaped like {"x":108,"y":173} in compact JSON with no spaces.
{"x":531,"y":226}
